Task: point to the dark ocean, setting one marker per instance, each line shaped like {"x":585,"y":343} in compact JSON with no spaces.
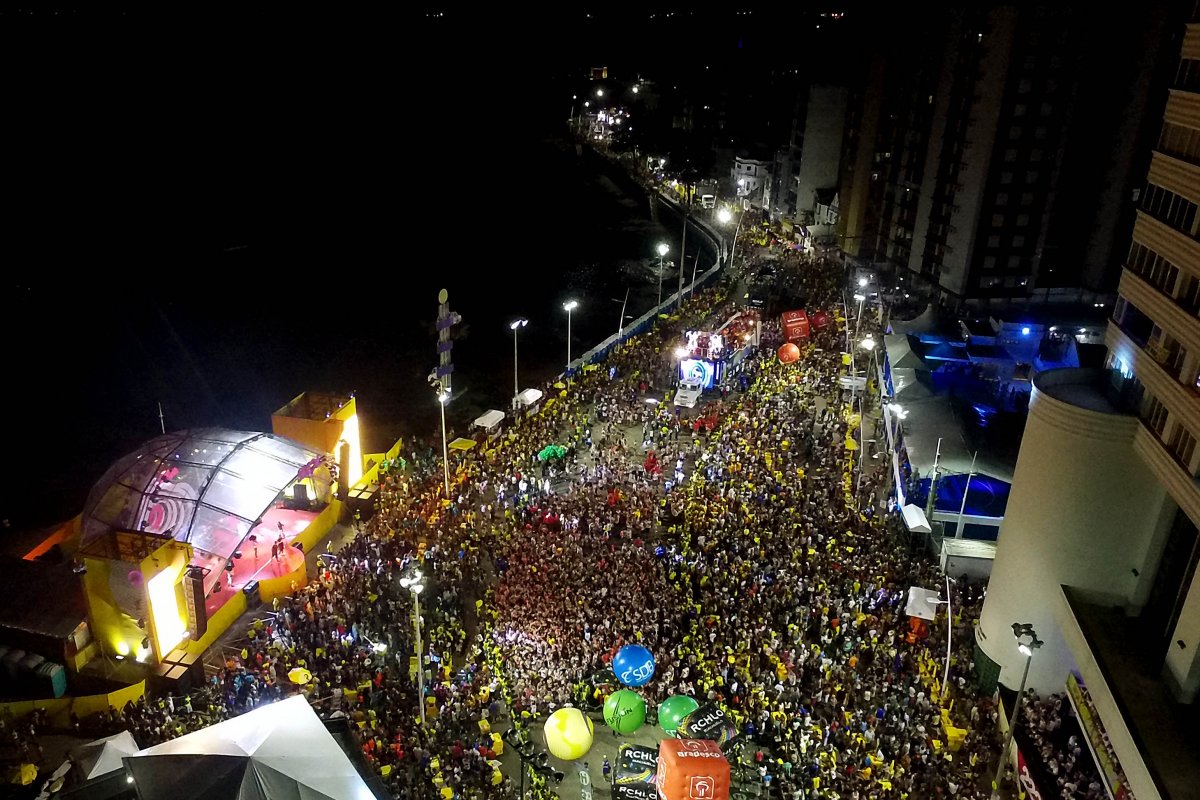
{"x":224,"y":217}
{"x":226,"y":328}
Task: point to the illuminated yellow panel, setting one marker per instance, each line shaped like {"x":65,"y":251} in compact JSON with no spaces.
{"x":350,"y":435}
{"x":169,"y":624}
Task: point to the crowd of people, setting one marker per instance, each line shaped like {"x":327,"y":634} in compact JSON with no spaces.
{"x":727,"y":539}
{"x":1049,"y":734}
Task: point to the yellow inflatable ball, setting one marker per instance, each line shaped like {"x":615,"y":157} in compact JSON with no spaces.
{"x":568,"y":734}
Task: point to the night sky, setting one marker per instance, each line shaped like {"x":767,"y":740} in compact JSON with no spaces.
{"x":219,"y":213}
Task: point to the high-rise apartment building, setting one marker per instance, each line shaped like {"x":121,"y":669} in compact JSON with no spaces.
{"x":1100,"y":549}
{"x":1009,"y":151}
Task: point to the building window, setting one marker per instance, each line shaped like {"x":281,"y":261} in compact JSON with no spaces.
{"x":1018,"y":241}
{"x":993,"y":242}
{"x":1022,"y":220}
{"x":1180,"y":142}
{"x":1169,"y":208}
{"x":997,"y":220}
{"x":1002,"y":199}
{"x":1039,"y":133}
{"x":1014,"y":132}
{"x":1024,"y":87}
{"x":1035,"y":154}
{"x":1010,"y":155}
{"x":1006,"y":178}
{"x":1031,"y":177}
{"x":989,"y":262}
{"x":1027,"y":199}
{"x":1183,"y":445}
{"x":1014,"y":263}
{"x":1019,"y":110}
{"x":1154,"y":414}
{"x":1189,"y":295}
{"x":1047,"y":109}
{"x":1188,"y":75}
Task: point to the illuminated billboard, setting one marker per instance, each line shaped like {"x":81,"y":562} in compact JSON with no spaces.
{"x":704,"y":370}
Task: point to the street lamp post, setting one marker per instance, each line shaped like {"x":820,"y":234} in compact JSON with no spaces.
{"x":962,"y":509}
{"x":444,"y":398}
{"x":414,"y":585}
{"x":949,"y":633}
{"x":569,"y":306}
{"x":1020,"y":631}
{"x":682,"y":257}
{"x":861,"y":298}
{"x":663,"y":249}
{"x":516,"y":325}
{"x":867,"y":344}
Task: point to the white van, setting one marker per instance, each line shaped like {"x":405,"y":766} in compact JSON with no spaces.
{"x":688,"y":393}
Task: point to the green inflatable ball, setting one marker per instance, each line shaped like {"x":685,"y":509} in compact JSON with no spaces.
{"x":624,"y":711}
{"x":672,"y":711}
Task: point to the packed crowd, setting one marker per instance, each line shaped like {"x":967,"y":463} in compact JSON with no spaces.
{"x":726,"y":539}
{"x":1059,"y":748}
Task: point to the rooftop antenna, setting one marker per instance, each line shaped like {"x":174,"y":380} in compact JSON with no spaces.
{"x":161,"y":423}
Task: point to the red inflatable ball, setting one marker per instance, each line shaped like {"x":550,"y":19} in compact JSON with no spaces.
{"x":789,"y":353}
{"x":819,"y":319}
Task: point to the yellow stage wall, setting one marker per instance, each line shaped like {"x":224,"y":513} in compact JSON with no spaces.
{"x":270,"y":588}
{"x":325,"y":435}
{"x":114,"y":629}
{"x":59,"y":709}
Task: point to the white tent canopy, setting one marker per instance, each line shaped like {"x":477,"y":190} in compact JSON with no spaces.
{"x":914,"y":519}
{"x":919,"y":603}
{"x":103,"y":755}
{"x":529,"y":397}
{"x":489,"y":420}
{"x":281,"y":750}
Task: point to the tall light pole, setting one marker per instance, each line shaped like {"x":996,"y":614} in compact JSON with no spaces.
{"x":861,"y":298}
{"x":444,"y":398}
{"x":949,"y":633}
{"x":414,"y":585}
{"x":867,"y":344}
{"x":1020,"y":631}
{"x":569,"y":306}
{"x":516,"y":325}
{"x":962,"y":509}
{"x":682,"y":256}
{"x":663,"y":249}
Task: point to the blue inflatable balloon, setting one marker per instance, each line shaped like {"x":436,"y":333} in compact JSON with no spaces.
{"x":633,"y":665}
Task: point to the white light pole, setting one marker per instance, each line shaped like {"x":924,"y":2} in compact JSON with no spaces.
{"x":663,"y":249}
{"x":1020,"y":630}
{"x":949,"y":633}
{"x":569,"y":306}
{"x":415,"y":586}
{"x":736,"y":231}
{"x":444,"y":398}
{"x":861,"y":298}
{"x":958,"y":531}
{"x":516,"y":325}
{"x":867,"y":344}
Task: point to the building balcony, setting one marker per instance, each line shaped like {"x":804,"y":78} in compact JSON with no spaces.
{"x":1183,"y":402}
{"x":1173,"y":475}
{"x":1163,"y":310}
{"x":1156,"y":740}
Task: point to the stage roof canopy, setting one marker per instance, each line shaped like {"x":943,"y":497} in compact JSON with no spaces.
{"x":207,"y":487}
{"x":277,"y":751}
